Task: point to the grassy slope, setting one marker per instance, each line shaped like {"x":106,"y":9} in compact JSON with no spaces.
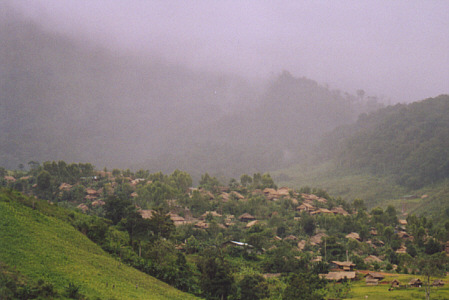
{"x":348,"y":185}
{"x":45,"y":247}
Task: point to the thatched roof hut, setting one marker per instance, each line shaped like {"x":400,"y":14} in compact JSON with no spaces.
{"x":338,"y":276}
{"x":246,"y":217}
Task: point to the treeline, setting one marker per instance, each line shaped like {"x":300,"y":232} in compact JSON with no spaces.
{"x":409,"y":142}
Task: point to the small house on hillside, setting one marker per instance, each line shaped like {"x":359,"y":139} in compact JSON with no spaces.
{"x":353,"y":236}
{"x":318,"y":238}
{"x":211,"y":213}
{"x":321,"y":211}
{"x":301,"y":245}
{"x":438,"y":282}
{"x":147,"y":213}
{"x":10,"y":179}
{"x":375,"y":275}
{"x":236,"y":244}
{"x":338,"y":276}
{"x":343,"y":265}
{"x":371,"y":281}
{"x":415,"y":282}
{"x":91,"y":192}
{"x":65,"y":187}
{"x":339,"y":211}
{"x":395,"y":283}
{"x":402,"y":250}
{"x":251,"y":224}
{"x":306,"y":207}
{"x":237,"y":195}
{"x":246,"y":217}
{"x":372,"y":259}
{"x":202,"y":225}
{"x":177,"y":220}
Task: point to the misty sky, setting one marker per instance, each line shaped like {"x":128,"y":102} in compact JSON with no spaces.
{"x":394,"y":49}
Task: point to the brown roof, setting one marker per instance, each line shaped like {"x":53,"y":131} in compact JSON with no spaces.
{"x":146,"y":213}
{"x":291,"y":237}
{"x":403,"y":222}
{"x":438,"y":282}
{"x":246,"y":217}
{"x":224,"y":196}
{"x":202,"y":225}
{"x":10,"y":178}
{"x":371,"y":259}
{"x":301,"y":245}
{"x":65,"y":187}
{"x":176,"y":218}
{"x":339,"y":211}
{"x":415,"y":281}
{"x":321,"y":211}
{"x":337,"y":276}
{"x":83,"y":207}
{"x":98,"y":203}
{"x":251,"y":224}
{"x":238,"y":195}
{"x":213,"y":213}
{"x":402,"y":250}
{"x":374,"y":275}
{"x":91,"y":191}
{"x":344,"y":263}
{"x":306,"y":206}
{"x":354,"y":236}
{"x":316,"y":239}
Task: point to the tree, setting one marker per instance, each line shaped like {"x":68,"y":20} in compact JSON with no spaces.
{"x":116,"y":208}
{"x":181,"y":180}
{"x":305,"y":286}
{"x":432,"y":246}
{"x":44,"y":180}
{"x":216,"y":276}
{"x":431,"y":266}
{"x":160,"y":224}
{"x":209,"y":183}
{"x":253,"y":287}
{"x":246,"y":180}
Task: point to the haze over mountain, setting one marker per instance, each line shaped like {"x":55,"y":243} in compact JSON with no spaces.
{"x":71,"y":90}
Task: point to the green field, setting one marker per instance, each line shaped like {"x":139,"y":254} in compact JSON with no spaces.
{"x":359,"y":289}
{"x":346,"y":184}
{"x":42,"y":247}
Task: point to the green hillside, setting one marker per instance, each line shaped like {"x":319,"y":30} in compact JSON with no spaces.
{"x":410,"y":143}
{"x":395,"y":156}
{"x":45,"y":248}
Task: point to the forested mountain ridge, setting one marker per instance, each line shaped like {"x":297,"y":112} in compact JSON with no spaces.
{"x":64,"y":98}
{"x":407,"y":141}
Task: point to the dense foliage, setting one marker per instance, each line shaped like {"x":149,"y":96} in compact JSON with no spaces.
{"x":408,"y":141}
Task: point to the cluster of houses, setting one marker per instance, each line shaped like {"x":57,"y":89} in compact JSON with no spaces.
{"x":309,"y":203}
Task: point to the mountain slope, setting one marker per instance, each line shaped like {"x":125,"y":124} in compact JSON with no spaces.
{"x":409,"y":142}
{"x":42,"y":247}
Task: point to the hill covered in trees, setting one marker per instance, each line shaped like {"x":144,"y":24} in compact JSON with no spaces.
{"x":409,"y":142}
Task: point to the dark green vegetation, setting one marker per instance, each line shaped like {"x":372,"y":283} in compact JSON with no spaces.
{"x":408,"y":142}
{"x":245,"y":240}
{"x":43,"y":256}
